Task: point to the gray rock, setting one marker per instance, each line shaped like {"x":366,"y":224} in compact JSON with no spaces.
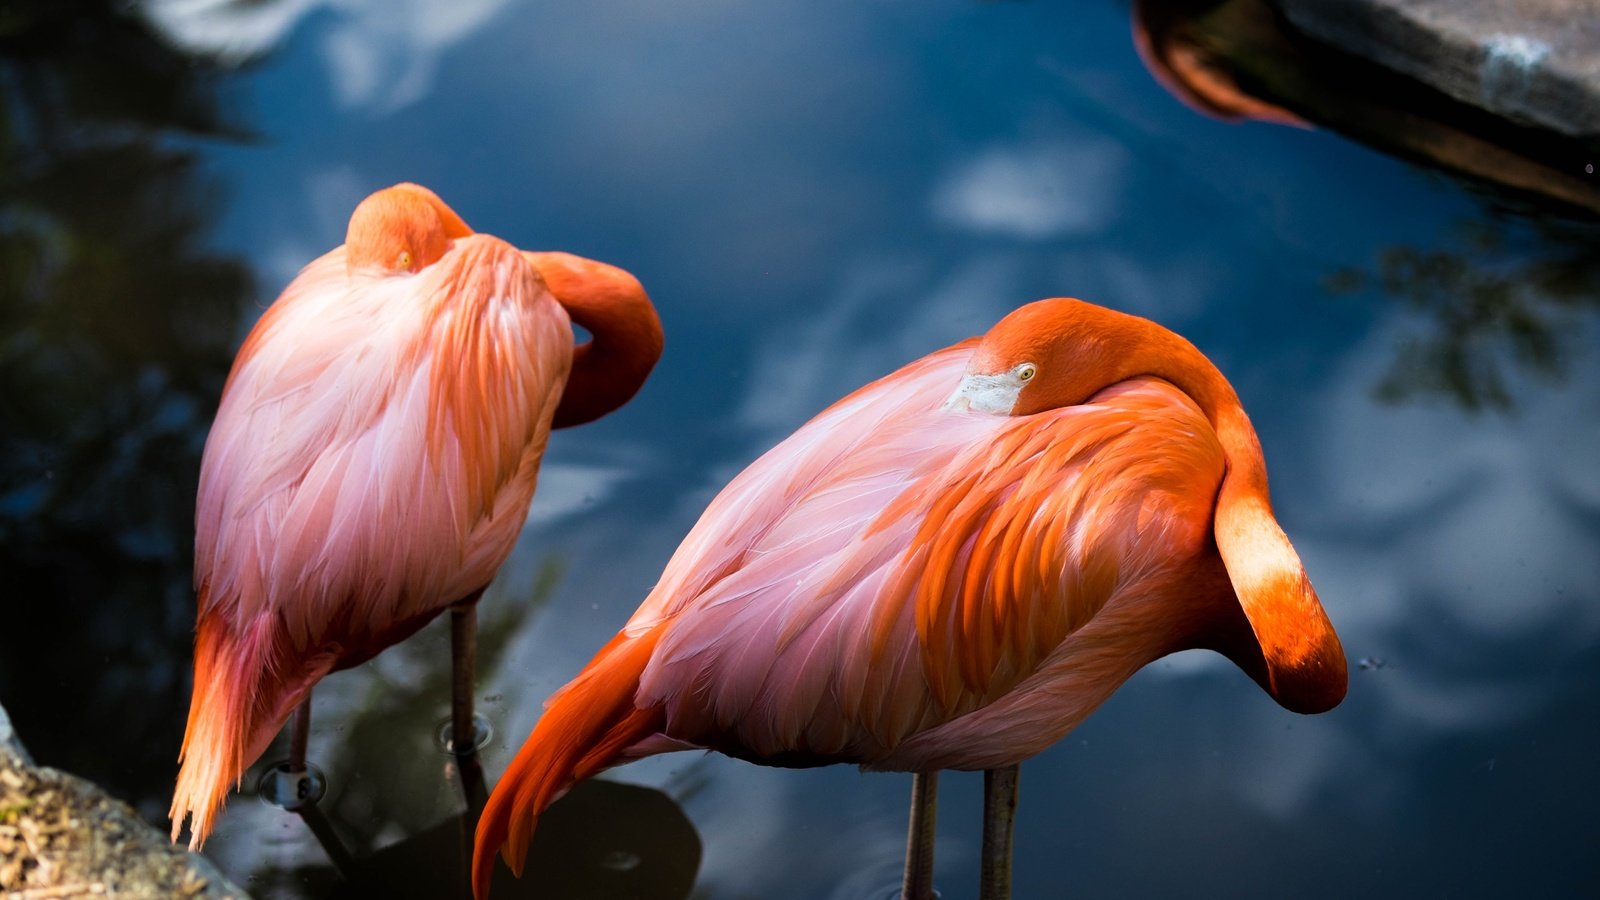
{"x":9,"y":742}
{"x":61,"y":836}
{"x":1536,"y":62}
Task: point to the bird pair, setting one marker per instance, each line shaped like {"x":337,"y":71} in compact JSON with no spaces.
{"x":949,"y":568}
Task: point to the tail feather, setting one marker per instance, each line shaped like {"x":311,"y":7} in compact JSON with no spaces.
{"x":244,"y":690}
{"x":585,"y":727}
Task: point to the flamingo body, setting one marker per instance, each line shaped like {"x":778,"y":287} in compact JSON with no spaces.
{"x":863,"y":622}
{"x":364,"y":402}
{"x":951,"y":568}
{"x":371,"y":464}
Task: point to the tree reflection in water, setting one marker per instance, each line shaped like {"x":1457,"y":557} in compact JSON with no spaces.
{"x":116,"y":330}
{"x":394,"y":804}
{"x":1511,"y":302}
{"x":1511,"y":298}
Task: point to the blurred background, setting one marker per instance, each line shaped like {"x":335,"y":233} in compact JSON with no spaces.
{"x":1403,"y":289}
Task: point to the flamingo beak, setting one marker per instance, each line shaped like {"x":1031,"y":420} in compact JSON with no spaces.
{"x":992,"y":394}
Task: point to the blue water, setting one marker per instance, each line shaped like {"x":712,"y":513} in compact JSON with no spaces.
{"x":815,"y":194}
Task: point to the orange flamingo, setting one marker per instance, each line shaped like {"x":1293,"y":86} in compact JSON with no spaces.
{"x":949,"y":569}
{"x":373,"y":459}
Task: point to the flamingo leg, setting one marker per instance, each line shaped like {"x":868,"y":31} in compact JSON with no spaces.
{"x":918,"y":883}
{"x":463,"y":661}
{"x":300,"y":735}
{"x":999,"y":814}
{"x":299,"y":787}
{"x":321,"y":829}
{"x":464,"y":730}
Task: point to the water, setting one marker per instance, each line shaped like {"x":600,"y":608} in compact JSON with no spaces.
{"x":814,"y":195}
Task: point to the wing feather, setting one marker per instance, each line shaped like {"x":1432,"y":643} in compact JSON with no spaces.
{"x":378,"y":440}
{"x":845,"y":599}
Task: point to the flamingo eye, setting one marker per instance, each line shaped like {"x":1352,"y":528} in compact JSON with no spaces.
{"x":403,"y":261}
{"x":1026,"y":371}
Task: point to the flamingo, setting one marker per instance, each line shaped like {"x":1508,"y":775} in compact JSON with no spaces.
{"x":950,"y":568}
{"x":373,"y":459}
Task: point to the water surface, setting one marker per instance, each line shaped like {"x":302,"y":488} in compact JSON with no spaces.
{"x":814,"y":195}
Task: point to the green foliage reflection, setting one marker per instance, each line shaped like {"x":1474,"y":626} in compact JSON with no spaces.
{"x":1488,"y":311}
{"x":116,"y":329}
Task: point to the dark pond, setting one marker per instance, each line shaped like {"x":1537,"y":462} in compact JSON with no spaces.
{"x":815,"y":194}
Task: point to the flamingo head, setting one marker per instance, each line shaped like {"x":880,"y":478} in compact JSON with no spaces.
{"x":1044,"y":355}
{"x":401,"y":229}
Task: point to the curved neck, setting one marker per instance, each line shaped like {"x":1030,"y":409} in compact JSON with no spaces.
{"x":1171,"y":357}
{"x":1305,"y":667}
{"x":1092,"y":348}
{"x":626,"y":334}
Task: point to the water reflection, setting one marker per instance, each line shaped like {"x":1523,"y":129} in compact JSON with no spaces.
{"x":611,"y":840}
{"x":1506,"y":300}
{"x":1188,"y":47}
{"x":1238,"y":59}
{"x":394,"y":799}
{"x":378,"y":742}
{"x":381,"y":55}
{"x":1509,"y":301}
{"x":116,"y":328}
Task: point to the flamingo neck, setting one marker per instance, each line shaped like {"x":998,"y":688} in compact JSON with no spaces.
{"x":1100,"y":347}
{"x":626,"y":334}
{"x":1305,"y":669}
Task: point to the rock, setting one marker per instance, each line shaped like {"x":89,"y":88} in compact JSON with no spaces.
{"x":61,"y":836}
{"x":1242,"y":59}
{"x":1535,"y":62}
{"x":9,"y":742}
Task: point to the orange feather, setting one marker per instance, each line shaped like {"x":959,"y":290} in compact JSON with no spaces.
{"x":950,"y":568}
{"x":585,"y":725}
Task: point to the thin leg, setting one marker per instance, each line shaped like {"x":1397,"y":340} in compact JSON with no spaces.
{"x":918,"y":883}
{"x":999,"y":813}
{"x":463,"y":659}
{"x":463,"y":726}
{"x":322,"y":830}
{"x":299,"y":735}
{"x":473,"y":788}
{"x":304,"y":787}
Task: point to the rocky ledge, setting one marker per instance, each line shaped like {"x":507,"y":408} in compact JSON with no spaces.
{"x":61,"y":836}
{"x":1535,"y":62}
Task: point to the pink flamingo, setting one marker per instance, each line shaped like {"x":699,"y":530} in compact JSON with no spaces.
{"x":949,"y":569}
{"x":373,"y":459}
